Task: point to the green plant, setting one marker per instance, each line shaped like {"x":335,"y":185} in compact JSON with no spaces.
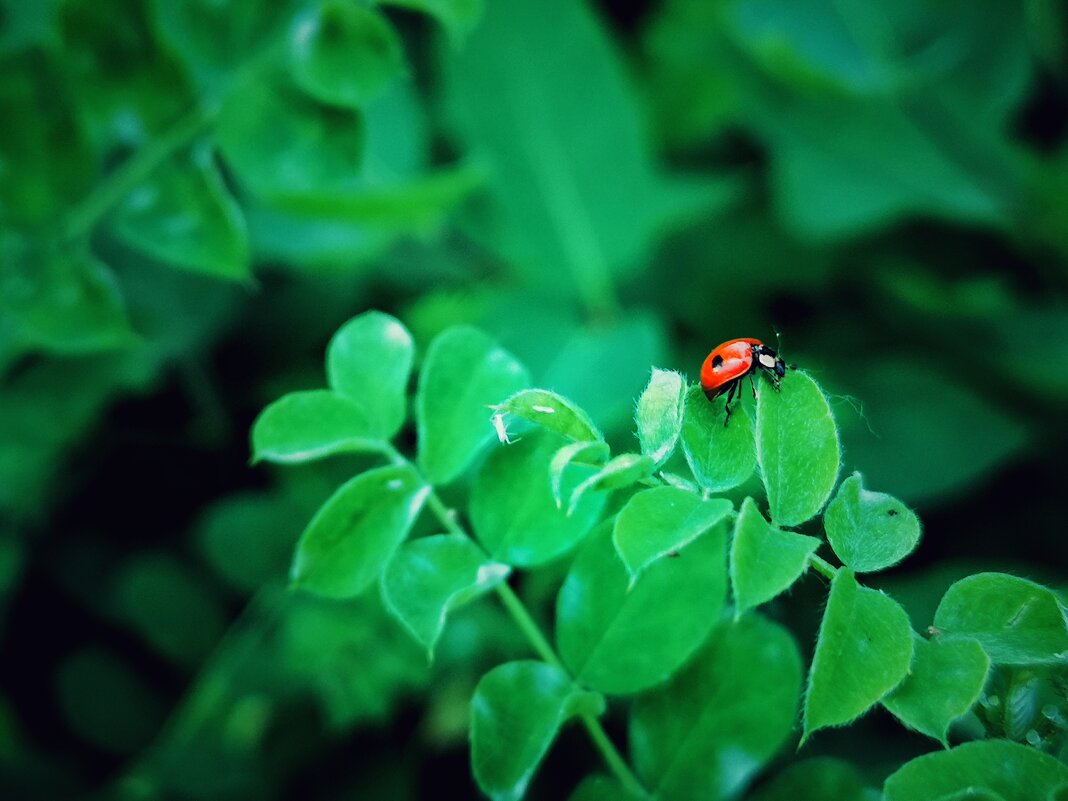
{"x":644,"y":621}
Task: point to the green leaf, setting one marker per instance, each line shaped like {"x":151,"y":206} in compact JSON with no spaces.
{"x":284,"y":145}
{"x":354,"y":534}
{"x":869,"y":530}
{"x":622,"y":471}
{"x":618,"y":637}
{"x":512,"y":508}
{"x":797,"y":447}
{"x":659,"y":415}
{"x":516,"y":712}
{"x":707,"y":732}
{"x":63,"y":302}
{"x":582,"y":452}
{"x":818,"y":779}
{"x":1013,"y":771}
{"x":1016,"y":621}
{"x":660,"y":522}
{"x":720,"y":457}
{"x":457,"y":16}
{"x":464,"y":375}
{"x":553,"y":412}
{"x":863,"y":651}
{"x":184,"y":216}
{"x":343,"y":54}
{"x":945,"y":680}
{"x":369,"y":360}
{"x":764,"y":560}
{"x":575,"y":190}
{"x":429,"y":577}
{"x":596,"y":787}
{"x":303,"y":426}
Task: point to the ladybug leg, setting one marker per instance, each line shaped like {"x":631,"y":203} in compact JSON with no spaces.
{"x":727,"y":403}
{"x":752,"y":384}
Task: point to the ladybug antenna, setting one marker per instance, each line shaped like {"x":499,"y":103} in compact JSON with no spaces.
{"x":778,"y":346}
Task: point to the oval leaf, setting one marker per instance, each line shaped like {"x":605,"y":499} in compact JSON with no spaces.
{"x":581,"y":452}
{"x":369,"y":361}
{"x":516,"y":712}
{"x":863,"y":651}
{"x":1016,"y":621}
{"x":720,"y":457}
{"x":513,"y":511}
{"x":869,"y":530}
{"x":797,"y":447}
{"x":764,"y":560}
{"x":659,"y":415}
{"x":661,"y":521}
{"x":818,"y":779}
{"x":618,"y":638}
{"x":303,"y":426}
{"x":1012,"y":771}
{"x":464,"y":375}
{"x":695,"y":737}
{"x":430,"y":576}
{"x":944,"y":682}
{"x":553,"y":412}
{"x":343,"y":54}
{"x":353,"y":535}
{"x":623,"y":471}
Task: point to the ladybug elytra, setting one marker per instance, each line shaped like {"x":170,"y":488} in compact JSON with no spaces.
{"x":728,"y":364}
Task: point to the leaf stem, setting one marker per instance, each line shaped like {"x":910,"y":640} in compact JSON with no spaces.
{"x":519,"y":613}
{"x":823,"y":567}
{"x":85,"y":215}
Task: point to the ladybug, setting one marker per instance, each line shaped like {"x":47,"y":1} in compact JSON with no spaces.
{"x":728,"y":364}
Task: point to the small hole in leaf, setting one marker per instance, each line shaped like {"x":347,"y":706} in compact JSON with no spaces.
{"x":892,"y":512}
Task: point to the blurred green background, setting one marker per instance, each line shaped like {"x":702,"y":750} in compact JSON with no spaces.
{"x":195,"y":194}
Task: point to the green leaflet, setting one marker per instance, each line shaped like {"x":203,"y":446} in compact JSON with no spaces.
{"x":624,"y":470}
{"x":661,"y":521}
{"x":863,"y":651}
{"x":1016,"y":621}
{"x":818,"y":779}
{"x":945,"y":680}
{"x":516,"y":712}
{"x":706,"y":733}
{"x":721,"y":457}
{"x":1012,"y":771}
{"x":352,"y":537}
{"x":797,"y":447}
{"x":552,"y":412}
{"x":344,"y":54}
{"x":659,"y":414}
{"x":512,"y":508}
{"x":303,"y":426}
{"x":619,"y":636}
{"x":465,"y":374}
{"x":369,"y":360}
{"x":583,"y":452}
{"x":764,"y":560}
{"x":869,"y":530}
{"x":430,"y":576}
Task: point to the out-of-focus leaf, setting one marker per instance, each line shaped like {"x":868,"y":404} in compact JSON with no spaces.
{"x":764,"y":560}
{"x":659,"y":414}
{"x":23,"y":25}
{"x":869,"y":530}
{"x":512,"y":507}
{"x":354,"y":534}
{"x":720,"y":456}
{"x":818,"y":779}
{"x":864,"y":650}
{"x":184,"y":216}
{"x":303,"y":426}
{"x":457,"y":16}
{"x":344,"y":54}
{"x":621,"y":637}
{"x":1016,"y":621}
{"x":430,"y":576}
{"x":797,"y":447}
{"x":1010,"y":770}
{"x":516,"y":713}
{"x":369,"y":360}
{"x":464,"y":375}
{"x":699,"y":735}
{"x":598,"y":788}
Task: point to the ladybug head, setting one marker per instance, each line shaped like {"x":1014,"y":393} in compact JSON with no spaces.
{"x":768,"y":359}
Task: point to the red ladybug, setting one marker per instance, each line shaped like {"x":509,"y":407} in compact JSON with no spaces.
{"x":728,"y":365}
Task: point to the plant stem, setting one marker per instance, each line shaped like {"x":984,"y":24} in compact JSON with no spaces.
{"x":823,"y":567}
{"x":519,"y":613}
{"x":85,"y":216}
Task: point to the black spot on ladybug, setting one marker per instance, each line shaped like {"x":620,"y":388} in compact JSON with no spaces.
{"x":717,"y":360}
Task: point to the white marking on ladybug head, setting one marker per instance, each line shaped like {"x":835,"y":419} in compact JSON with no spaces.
{"x":767,"y":360}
